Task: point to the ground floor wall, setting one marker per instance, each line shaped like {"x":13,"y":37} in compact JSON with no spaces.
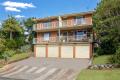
{"x":63,"y":50}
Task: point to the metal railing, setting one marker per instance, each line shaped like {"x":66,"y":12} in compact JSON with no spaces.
{"x":39,"y":27}
{"x":55,"y":26}
{"x":63,"y":39}
{"x":73,"y":23}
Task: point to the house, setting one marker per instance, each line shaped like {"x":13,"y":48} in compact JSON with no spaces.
{"x":66,"y":36}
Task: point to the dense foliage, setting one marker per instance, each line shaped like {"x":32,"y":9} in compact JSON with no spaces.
{"x":116,"y":57}
{"x":11,"y":28}
{"x":11,"y":37}
{"x":13,"y":33}
{"x":107,"y":26}
{"x":29,"y":25}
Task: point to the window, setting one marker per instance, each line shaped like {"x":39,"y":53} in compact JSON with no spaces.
{"x":79,"y":20}
{"x":46,"y":36}
{"x":80,"y":35}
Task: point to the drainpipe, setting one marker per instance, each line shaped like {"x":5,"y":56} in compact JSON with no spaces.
{"x":60,"y":25}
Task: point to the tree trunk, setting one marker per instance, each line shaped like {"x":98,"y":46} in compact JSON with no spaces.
{"x":10,"y":35}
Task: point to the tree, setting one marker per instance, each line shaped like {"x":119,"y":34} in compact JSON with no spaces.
{"x":29,"y":25}
{"x":13,"y":33}
{"x":12,"y":27}
{"x":107,"y":25}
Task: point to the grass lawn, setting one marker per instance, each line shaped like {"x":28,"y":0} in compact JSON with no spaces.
{"x":1,"y":65}
{"x":99,"y":75}
{"x":101,"y":59}
{"x":87,"y":74}
{"x":16,"y":57}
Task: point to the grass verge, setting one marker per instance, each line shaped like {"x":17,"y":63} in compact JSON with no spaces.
{"x":18,"y":57}
{"x":14,"y":58}
{"x":113,"y":74}
{"x":99,"y":75}
{"x":101,"y":59}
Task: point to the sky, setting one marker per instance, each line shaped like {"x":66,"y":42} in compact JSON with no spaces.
{"x":44,"y":8}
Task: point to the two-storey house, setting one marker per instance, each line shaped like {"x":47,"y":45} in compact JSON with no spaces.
{"x":66,"y":36}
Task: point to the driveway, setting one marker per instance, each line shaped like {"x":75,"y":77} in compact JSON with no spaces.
{"x":44,"y":69}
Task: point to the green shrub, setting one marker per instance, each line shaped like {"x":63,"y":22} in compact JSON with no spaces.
{"x":6,"y":54}
{"x":20,"y":42}
{"x":23,"y":49}
{"x":106,"y":47}
{"x":116,"y":57}
{"x":15,"y":43}
{"x":10,"y":52}
{"x":11,"y":44}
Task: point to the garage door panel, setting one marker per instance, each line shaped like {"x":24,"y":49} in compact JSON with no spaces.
{"x":53,"y":51}
{"x":40,"y":51}
{"x":67,"y":51}
{"x":82,"y":51}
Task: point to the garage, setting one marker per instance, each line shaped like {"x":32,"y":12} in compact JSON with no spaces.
{"x":82,"y":51}
{"x":67,"y":51}
{"x":40,"y":51}
{"x":53,"y":51}
{"x":63,"y":51}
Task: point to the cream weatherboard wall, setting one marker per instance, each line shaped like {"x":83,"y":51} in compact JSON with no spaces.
{"x":53,"y":51}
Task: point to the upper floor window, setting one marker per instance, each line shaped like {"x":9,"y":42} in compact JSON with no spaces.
{"x":79,"y":20}
{"x":46,"y":36}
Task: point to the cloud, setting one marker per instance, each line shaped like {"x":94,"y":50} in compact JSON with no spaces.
{"x":18,"y":4}
{"x":19,"y":16}
{"x":12,"y":9}
{"x":13,"y":6}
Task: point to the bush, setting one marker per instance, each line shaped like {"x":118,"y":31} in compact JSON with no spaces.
{"x":10,"y":52}
{"x":106,"y":47}
{"x":6,"y":54}
{"x":116,"y":57}
{"x":25,"y":48}
{"x":20,"y":41}
{"x":15,"y":43}
{"x":11,"y":44}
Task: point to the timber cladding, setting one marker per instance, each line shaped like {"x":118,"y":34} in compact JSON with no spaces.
{"x":63,"y":51}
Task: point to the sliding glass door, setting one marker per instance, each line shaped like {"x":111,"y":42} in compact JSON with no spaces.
{"x":46,"y":36}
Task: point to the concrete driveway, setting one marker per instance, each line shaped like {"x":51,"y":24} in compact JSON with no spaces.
{"x":44,"y":69}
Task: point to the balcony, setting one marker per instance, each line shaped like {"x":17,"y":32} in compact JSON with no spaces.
{"x":64,"y":24}
{"x":48,"y":26}
{"x":63,"y":39}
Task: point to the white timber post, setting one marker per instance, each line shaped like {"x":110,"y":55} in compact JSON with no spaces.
{"x":60,"y":25}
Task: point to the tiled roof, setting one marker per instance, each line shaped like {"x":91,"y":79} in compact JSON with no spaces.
{"x":64,"y":16}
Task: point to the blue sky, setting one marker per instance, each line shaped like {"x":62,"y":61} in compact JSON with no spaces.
{"x":44,"y":8}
